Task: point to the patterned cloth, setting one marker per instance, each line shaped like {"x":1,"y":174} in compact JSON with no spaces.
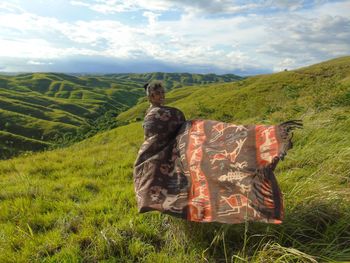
{"x":204,"y":170}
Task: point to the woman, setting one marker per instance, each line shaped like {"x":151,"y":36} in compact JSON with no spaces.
{"x":204,"y":170}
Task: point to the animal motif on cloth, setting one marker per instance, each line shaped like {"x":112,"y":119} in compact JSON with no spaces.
{"x":204,"y":170}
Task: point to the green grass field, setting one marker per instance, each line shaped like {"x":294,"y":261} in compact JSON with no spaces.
{"x":77,"y":204}
{"x":41,"y":109}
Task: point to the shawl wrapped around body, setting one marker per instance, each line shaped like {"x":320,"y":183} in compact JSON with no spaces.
{"x":204,"y":170}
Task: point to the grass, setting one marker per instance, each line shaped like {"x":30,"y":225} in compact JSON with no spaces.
{"x":71,"y":102}
{"x":77,"y":204}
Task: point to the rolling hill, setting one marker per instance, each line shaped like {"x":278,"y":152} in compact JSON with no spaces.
{"x":77,"y":204}
{"x":42,"y":110}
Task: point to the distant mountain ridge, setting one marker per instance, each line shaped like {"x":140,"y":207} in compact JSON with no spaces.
{"x":176,"y":80}
{"x":45,"y":107}
{"x":293,"y":91}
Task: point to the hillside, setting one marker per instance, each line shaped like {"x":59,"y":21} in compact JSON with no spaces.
{"x":177,"y":80}
{"x":43,"y":109}
{"x":77,"y":203}
{"x":291,"y":93}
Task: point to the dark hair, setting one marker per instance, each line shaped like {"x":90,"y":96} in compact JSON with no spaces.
{"x":146,"y":86}
{"x":151,"y":86}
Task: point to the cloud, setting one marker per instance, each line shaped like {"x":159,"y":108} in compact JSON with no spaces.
{"x":33,"y":62}
{"x":117,"y":6}
{"x":10,"y":7}
{"x":151,"y":16}
{"x":203,"y":6}
{"x":285,"y":63}
{"x":38,"y":49}
{"x":307,"y":40}
{"x":215,"y":7}
{"x":196,"y":7}
{"x":240,"y":43}
{"x":286,"y":5}
{"x":105,"y":65}
{"x":31,"y":37}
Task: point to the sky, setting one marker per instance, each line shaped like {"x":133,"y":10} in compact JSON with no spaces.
{"x":196,"y":36}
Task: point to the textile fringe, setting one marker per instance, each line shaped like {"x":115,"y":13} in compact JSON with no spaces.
{"x":286,"y":132}
{"x":276,"y":213}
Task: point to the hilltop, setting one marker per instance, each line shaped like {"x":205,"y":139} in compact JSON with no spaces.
{"x":291,"y":93}
{"x":78,"y":203}
{"x":41,"y":110}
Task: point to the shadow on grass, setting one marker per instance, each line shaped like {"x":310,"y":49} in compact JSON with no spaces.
{"x":318,"y":229}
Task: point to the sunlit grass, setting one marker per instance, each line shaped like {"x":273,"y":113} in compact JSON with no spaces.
{"x":77,"y":204}
{"x":50,"y":107}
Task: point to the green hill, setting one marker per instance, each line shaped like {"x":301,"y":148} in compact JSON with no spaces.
{"x":177,"y":80}
{"x":50,"y":108}
{"x":77,"y":204}
{"x":273,"y":96}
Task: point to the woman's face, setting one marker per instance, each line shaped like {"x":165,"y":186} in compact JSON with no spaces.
{"x":157,"y":97}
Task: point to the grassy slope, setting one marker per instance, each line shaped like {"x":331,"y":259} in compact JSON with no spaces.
{"x":78,"y":204}
{"x":41,"y":105}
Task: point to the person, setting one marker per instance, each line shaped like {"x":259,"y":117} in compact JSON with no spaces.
{"x":207,"y":170}
{"x":155,"y":93}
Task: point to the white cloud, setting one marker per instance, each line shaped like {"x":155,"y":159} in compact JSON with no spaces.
{"x":303,"y":40}
{"x":26,"y":22}
{"x":274,"y":41}
{"x":333,"y":8}
{"x":283,"y":4}
{"x":34,"y":62}
{"x":195,"y":6}
{"x":10,"y":7}
{"x":117,"y":6}
{"x":29,"y":48}
{"x":152,"y":17}
{"x":38,"y":49}
{"x":202,"y":6}
{"x":285,"y":63}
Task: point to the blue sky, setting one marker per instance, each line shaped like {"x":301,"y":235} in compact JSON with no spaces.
{"x":199,"y":36}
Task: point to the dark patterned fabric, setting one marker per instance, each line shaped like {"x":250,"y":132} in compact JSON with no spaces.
{"x":204,"y":170}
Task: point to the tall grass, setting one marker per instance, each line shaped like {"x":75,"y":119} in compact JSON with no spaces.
{"x":77,"y":204}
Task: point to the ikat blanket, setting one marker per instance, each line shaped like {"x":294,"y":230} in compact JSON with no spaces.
{"x":205,"y":170}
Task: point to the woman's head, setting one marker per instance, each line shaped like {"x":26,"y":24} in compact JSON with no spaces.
{"x":155,"y":93}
